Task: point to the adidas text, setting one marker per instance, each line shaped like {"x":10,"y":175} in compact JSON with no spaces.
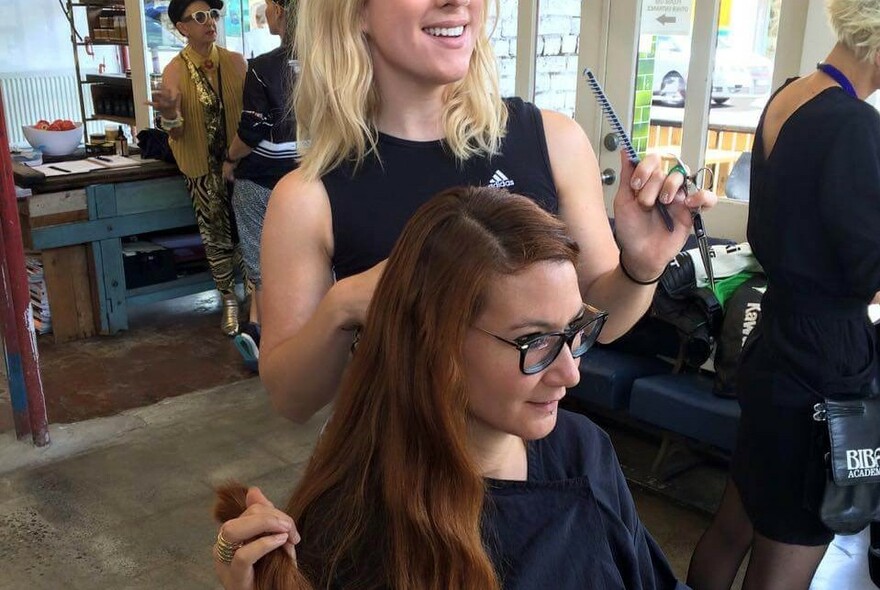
{"x":500,"y":180}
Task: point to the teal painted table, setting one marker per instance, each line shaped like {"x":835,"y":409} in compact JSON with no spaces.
{"x":78,"y":223}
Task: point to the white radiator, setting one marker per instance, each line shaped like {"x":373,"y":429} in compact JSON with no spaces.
{"x":31,"y":97}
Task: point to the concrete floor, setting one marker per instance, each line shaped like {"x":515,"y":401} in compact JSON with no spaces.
{"x":122,"y":497}
{"x":134,"y":509}
{"x":171,"y":348}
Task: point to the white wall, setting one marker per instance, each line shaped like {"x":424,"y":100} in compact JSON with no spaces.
{"x":557,"y":47}
{"x":818,"y":37}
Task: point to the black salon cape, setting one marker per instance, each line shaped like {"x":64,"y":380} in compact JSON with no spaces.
{"x":573,"y":524}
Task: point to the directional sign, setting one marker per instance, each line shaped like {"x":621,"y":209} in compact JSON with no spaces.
{"x":666,"y":17}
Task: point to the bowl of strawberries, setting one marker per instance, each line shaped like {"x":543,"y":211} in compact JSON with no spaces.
{"x":58,"y":138}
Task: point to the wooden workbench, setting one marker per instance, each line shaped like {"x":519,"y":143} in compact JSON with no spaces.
{"x":78,"y":222}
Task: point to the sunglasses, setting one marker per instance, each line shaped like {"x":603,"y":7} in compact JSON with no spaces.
{"x":538,"y":351}
{"x":202,"y":16}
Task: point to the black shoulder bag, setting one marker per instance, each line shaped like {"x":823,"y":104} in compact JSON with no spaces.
{"x":851,"y":499}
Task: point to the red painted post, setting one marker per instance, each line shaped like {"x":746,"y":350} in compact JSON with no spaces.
{"x":23,"y":322}
{"x":12,"y":352}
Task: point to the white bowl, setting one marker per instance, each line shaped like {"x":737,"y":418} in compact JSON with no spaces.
{"x":54,"y":143}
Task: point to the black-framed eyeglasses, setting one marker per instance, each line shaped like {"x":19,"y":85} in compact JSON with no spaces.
{"x":202,"y":16}
{"x":538,"y":351}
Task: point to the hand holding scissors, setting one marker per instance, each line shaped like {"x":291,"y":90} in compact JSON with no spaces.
{"x":640,"y":235}
{"x":700,"y":180}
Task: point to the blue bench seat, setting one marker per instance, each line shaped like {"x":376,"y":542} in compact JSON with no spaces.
{"x":607,"y":377}
{"x":685,"y":404}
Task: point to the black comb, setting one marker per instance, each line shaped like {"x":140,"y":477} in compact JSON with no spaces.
{"x":622,"y":135}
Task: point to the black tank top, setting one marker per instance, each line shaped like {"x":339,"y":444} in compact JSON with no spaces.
{"x":370,"y":206}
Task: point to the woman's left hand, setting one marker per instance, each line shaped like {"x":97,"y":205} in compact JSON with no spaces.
{"x":167,"y":101}
{"x":229,"y":171}
{"x":259,"y":530}
{"x":641,"y":233}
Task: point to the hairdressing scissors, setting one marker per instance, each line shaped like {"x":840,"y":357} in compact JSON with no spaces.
{"x":693,"y":183}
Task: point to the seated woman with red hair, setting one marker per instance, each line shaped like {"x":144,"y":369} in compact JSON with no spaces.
{"x":447,"y":462}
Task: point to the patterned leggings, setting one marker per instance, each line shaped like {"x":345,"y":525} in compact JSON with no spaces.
{"x":214,"y":219}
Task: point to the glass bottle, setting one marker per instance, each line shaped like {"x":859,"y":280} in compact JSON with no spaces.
{"x":121,"y":143}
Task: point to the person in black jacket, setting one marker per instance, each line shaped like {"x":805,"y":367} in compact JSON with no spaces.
{"x":264,"y":150}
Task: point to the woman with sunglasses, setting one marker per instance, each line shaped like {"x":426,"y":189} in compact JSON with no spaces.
{"x":200,"y":104}
{"x":398,"y":100}
{"x":447,"y":462}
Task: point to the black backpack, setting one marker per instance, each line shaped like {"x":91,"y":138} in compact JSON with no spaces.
{"x":682,"y":323}
{"x":153,"y":144}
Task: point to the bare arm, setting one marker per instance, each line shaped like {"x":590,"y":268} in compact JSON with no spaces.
{"x":240,"y":62}
{"x":167,"y":99}
{"x":582,"y":207}
{"x":308,"y":321}
{"x":237,"y":151}
{"x":647,"y":245}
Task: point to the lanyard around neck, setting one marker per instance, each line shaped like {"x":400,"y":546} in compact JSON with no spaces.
{"x":838,"y":77}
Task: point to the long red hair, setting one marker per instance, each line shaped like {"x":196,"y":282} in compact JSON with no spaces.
{"x":392,"y":497}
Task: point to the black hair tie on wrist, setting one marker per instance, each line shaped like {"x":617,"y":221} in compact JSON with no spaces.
{"x":632,"y":278}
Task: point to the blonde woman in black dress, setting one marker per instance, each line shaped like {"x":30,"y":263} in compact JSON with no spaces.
{"x":814,"y":224}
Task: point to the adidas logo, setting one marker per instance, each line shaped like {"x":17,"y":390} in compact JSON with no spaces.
{"x":500,"y":180}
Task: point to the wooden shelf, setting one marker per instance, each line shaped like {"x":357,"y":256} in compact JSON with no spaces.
{"x":112,"y":94}
{"x":185,"y":285}
{"x":96,"y":42}
{"x":101,"y":4}
{"x":116,"y":80}
{"x":113,"y":118}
